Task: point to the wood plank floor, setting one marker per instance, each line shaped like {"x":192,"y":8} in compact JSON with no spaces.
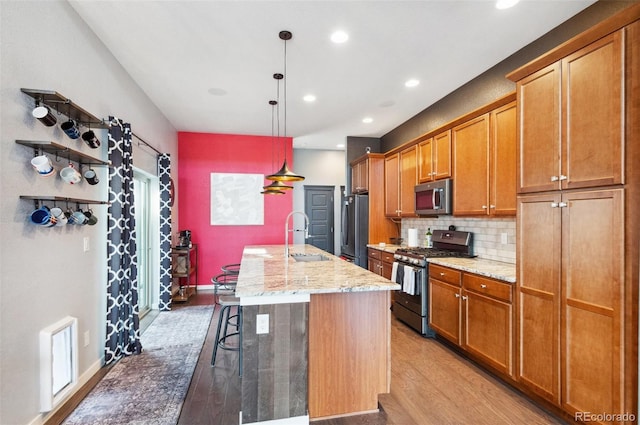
{"x":430,"y":384}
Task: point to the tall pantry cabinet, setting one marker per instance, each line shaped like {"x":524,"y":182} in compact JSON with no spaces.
{"x":578,"y":221}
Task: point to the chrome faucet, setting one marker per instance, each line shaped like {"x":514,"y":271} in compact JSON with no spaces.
{"x":286,"y":230}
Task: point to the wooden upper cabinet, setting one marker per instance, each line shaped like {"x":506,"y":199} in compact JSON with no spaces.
{"x":360,"y":176}
{"x":408,"y":181}
{"x":502,"y":191}
{"x":471,"y":165}
{"x":571,"y":125}
{"x":400,"y":178}
{"x":434,"y":158}
{"x":392,"y":185}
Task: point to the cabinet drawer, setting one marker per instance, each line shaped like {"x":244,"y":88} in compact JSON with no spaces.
{"x":374,"y":253}
{"x":387,"y":257}
{"x":445,"y":274}
{"x":487,"y":286}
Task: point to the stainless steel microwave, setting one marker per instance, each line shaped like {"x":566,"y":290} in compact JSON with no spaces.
{"x":434,"y":198}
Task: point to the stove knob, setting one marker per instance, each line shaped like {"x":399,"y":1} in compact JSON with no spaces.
{"x":405,"y":258}
{"x":416,"y":261}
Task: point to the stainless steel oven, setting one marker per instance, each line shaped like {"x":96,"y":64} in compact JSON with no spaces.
{"x":411,"y":271}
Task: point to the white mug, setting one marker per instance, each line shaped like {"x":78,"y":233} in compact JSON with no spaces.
{"x":59,"y":215}
{"x":42,"y":164}
{"x":70,"y":175}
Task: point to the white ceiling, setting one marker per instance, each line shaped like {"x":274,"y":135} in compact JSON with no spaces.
{"x":209,"y":65}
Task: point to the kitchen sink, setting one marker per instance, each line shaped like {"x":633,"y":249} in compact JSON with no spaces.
{"x":310,"y":257}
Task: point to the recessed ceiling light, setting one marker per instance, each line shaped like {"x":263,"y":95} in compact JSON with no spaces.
{"x":506,"y":4}
{"x":309,"y":98}
{"x":341,"y":146}
{"x":411,"y":83}
{"x":339,"y":37}
{"x":367,"y":120}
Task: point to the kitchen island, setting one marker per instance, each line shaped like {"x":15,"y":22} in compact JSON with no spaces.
{"x":326,"y":352}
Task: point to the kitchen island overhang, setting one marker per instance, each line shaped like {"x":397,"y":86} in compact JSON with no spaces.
{"x":327,"y":349}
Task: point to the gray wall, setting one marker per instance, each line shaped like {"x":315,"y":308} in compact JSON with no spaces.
{"x":492,"y":84}
{"x":321,"y":168}
{"x":44,"y":273}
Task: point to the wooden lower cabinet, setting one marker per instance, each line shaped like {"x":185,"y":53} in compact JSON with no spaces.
{"x":380,"y":262}
{"x":475,"y":313}
{"x":570,"y":322}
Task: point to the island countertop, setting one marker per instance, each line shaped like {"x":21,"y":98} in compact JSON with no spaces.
{"x":265,"y":271}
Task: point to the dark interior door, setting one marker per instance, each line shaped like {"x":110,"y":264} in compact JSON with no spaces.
{"x":319,"y":206}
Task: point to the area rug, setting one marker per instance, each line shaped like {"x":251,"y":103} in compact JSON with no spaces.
{"x":150,"y":388}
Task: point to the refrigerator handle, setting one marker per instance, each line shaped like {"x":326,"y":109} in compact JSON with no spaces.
{"x":345,"y":222}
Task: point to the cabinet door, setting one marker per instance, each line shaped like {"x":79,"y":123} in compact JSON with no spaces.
{"x":391,"y":184}
{"x":425,"y":162}
{"x":471,"y":167}
{"x":538,"y":294}
{"x":444,"y":309}
{"x":375,"y":266}
{"x":360,"y":177}
{"x":442,"y":155}
{"x":408,"y":181}
{"x":503,"y":161}
{"x":593,"y":131}
{"x":539,"y":130}
{"x":488,"y":330}
{"x":592,"y":310}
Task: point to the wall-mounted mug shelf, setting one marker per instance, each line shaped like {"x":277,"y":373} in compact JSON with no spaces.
{"x":65,"y":106}
{"x":61,"y":152}
{"x":38,"y":200}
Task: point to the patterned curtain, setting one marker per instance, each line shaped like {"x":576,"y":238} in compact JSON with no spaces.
{"x":123,"y":326}
{"x":166,"y":201}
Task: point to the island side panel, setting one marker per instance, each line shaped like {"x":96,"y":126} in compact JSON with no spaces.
{"x":349,"y":352}
{"x":274,"y":376}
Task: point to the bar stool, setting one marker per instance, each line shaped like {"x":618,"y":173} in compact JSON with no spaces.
{"x":226,"y":318}
{"x":223,"y":284}
{"x":231,"y":268}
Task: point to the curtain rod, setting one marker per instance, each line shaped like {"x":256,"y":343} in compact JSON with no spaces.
{"x":140,"y":139}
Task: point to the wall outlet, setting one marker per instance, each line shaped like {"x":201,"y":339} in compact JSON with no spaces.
{"x":262,"y":324}
{"x":503,"y":238}
{"x":85,"y":242}
{"x":87,"y":338}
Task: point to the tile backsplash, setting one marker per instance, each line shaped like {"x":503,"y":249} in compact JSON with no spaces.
{"x":488,"y":234}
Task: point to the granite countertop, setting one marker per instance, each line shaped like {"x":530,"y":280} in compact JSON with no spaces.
{"x":495,"y":269}
{"x":265,"y":271}
{"x":386,"y":247}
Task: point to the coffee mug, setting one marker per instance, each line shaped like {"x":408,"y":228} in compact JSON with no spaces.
{"x":70,"y":128}
{"x":44,"y":115}
{"x":59,"y":215}
{"x":90,"y":139}
{"x":91,"y":218}
{"x":91,"y":177}
{"x":78,"y":218}
{"x":70,"y":175}
{"x":42,"y":164}
{"x":43,"y":217}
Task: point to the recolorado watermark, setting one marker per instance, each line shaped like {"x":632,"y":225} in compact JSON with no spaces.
{"x":604,"y":417}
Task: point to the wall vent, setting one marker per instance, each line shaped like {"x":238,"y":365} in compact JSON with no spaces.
{"x":58,"y":362}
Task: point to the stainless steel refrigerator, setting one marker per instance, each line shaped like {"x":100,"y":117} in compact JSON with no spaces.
{"x":355,"y":228}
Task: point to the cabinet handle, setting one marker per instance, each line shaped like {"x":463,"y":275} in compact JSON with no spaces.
{"x":482,"y":285}
{"x":441,"y":274}
{"x":492,"y":207}
{"x":562,"y":177}
{"x":554,"y":178}
{"x":562,"y":204}
{"x":554,"y":205}
{"x":457,"y":295}
{"x":484,"y":207}
{"x":464,"y":298}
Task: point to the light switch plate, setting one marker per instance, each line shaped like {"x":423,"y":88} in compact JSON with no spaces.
{"x":262,"y":324}
{"x":86,"y":243}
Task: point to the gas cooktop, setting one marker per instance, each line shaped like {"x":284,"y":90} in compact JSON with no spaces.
{"x":446,"y":243}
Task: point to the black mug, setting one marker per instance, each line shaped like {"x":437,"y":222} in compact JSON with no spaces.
{"x":91,"y":177}
{"x":70,"y":128}
{"x":90,"y":139}
{"x":44,"y":115}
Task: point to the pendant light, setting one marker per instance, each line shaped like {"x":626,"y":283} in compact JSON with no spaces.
{"x":276,"y":187}
{"x":284,"y":174}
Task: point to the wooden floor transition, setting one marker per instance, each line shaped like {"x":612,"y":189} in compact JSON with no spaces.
{"x":430,"y":384}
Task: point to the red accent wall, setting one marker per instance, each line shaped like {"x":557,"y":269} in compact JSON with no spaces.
{"x":199,"y":155}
